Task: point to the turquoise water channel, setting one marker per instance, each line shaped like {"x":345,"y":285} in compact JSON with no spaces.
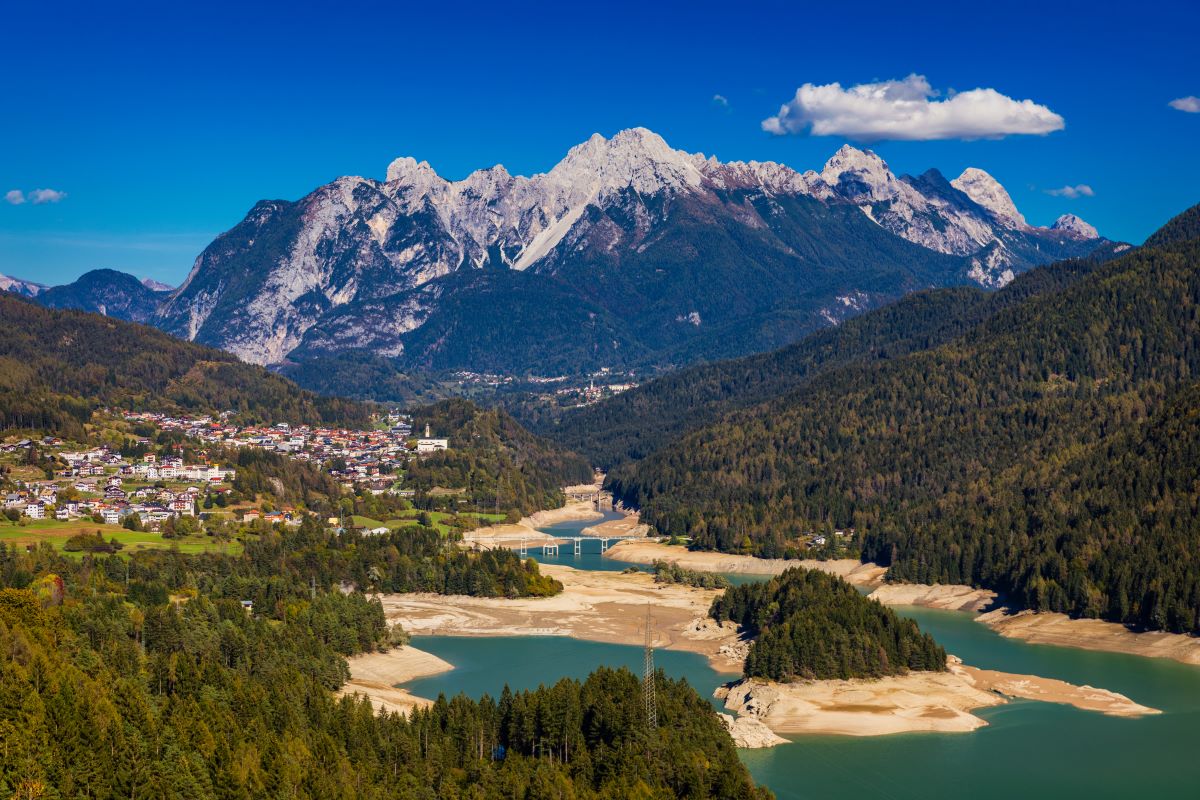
{"x":1028,"y":749}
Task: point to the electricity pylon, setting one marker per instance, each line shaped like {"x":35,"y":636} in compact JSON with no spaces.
{"x":648,"y":696}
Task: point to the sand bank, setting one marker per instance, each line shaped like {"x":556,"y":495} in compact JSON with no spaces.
{"x":951,"y":597}
{"x":1050,"y":690}
{"x":1091,"y":634}
{"x":648,"y":552}
{"x":573,"y":510}
{"x":374,"y":675}
{"x":628,"y":525}
{"x":596,"y":606}
{"x":918,"y":702}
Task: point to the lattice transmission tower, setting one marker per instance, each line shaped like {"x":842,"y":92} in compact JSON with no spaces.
{"x":648,"y":695}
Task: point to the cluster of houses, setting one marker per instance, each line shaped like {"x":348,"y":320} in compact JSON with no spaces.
{"x":106,"y":485}
{"x":592,"y":393}
{"x":99,"y":483}
{"x":367,"y":458}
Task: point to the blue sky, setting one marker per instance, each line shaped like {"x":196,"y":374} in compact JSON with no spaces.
{"x":164,"y":125}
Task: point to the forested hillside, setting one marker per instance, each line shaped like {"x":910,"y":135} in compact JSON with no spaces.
{"x":810,"y":625}
{"x":634,"y":424}
{"x":57,"y":367}
{"x":1029,"y":455}
{"x":493,"y":459}
{"x":146,"y":678}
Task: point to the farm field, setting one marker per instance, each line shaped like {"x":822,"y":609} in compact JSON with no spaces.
{"x":57,"y":533}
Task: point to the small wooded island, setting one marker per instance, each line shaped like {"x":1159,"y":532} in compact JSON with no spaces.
{"x":811,"y":625}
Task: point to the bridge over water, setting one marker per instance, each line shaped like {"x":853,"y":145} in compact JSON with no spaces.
{"x":550,"y":546}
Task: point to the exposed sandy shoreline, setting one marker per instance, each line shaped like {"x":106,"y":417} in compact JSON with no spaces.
{"x":637,"y":552}
{"x":628,"y":525}
{"x":951,"y":597}
{"x":375,"y":675}
{"x":918,"y":702}
{"x":1091,"y":634}
{"x":596,"y":606}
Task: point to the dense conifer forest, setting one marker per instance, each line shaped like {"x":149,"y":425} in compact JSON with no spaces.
{"x":1047,"y":452}
{"x":807,"y":624}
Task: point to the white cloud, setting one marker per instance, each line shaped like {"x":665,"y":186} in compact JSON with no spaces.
{"x":40,"y":196}
{"x":14,"y":197}
{"x":1190,"y":104}
{"x":1079,"y":190}
{"x":906,"y":110}
{"x":720,"y":100}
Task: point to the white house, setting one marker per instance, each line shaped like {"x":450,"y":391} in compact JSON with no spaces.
{"x":432,"y":445}
{"x":35,"y":511}
{"x":183,"y":507}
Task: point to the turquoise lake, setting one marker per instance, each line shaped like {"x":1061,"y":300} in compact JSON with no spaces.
{"x":1028,"y":749}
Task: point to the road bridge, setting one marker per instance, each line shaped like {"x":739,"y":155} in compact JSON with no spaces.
{"x":550,"y":546}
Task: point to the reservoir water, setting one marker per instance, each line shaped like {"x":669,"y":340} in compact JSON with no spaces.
{"x":1028,"y":750}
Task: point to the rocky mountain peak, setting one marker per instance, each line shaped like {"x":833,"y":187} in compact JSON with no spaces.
{"x":987,"y":192}
{"x":407,"y":171}
{"x":1074,"y":227}
{"x":859,"y":174}
{"x":635,"y":158}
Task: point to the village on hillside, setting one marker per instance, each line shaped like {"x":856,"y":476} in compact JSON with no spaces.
{"x":145,"y":492}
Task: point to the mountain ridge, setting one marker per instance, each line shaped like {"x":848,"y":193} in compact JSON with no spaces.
{"x":363,"y":264}
{"x":666,"y":257}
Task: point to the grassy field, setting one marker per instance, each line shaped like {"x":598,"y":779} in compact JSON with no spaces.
{"x":57,"y":533}
{"x":409,"y":517}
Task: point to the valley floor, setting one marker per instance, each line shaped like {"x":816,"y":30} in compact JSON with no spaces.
{"x":597,"y":606}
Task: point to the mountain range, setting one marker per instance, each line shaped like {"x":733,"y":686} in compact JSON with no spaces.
{"x":627,"y":253}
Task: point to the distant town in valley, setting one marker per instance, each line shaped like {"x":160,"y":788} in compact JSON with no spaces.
{"x":55,"y":481}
